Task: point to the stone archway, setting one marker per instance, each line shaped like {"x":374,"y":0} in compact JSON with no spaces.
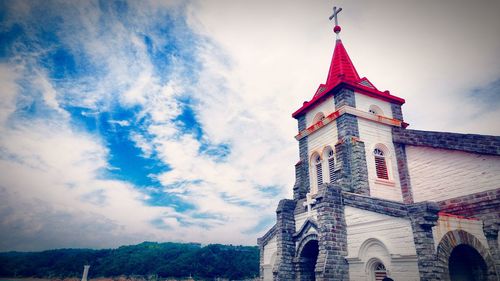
{"x":458,"y":247}
{"x":307,"y":255}
{"x":466,"y":264}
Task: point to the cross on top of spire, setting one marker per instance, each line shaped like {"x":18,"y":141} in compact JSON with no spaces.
{"x":335,"y":16}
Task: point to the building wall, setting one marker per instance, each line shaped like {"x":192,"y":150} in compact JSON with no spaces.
{"x":270,"y":250}
{"x":364,"y":102}
{"x":316,"y":142}
{"x":327,"y":107}
{"x":372,"y":133}
{"x":439,"y":174}
{"x":302,"y":217}
{"x":388,"y":239}
{"x":449,"y":223}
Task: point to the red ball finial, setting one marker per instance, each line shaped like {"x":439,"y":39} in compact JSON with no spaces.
{"x":336,"y":29}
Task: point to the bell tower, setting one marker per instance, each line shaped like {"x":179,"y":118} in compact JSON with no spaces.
{"x":336,"y":132}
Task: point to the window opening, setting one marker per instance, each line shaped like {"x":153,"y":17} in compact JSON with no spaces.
{"x":373,"y":109}
{"x":380,"y":272}
{"x":331,"y":165}
{"x":380,"y":164}
{"x":319,"y":172}
{"x":318,"y":117}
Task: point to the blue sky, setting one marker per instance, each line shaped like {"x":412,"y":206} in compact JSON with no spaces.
{"x":125,"y":121}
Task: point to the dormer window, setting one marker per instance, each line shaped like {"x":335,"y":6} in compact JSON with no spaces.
{"x":380,"y":164}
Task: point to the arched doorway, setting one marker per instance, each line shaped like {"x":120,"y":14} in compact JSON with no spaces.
{"x":308,"y":257}
{"x":466,"y":264}
{"x":461,"y":255}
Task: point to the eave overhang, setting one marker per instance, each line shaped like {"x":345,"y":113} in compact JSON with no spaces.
{"x":332,"y":90}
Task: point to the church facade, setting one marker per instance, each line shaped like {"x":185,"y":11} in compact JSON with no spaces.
{"x":373,"y":199}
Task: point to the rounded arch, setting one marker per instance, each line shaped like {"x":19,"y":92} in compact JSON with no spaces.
{"x":314,"y":158}
{"x":374,"y":267}
{"x":303,"y":242}
{"x":383,"y":148}
{"x":307,"y":257}
{"x":272,"y":261}
{"x":327,"y":152}
{"x":458,"y":237}
{"x":371,"y":243}
{"x":318,"y":117}
{"x":373,"y":109}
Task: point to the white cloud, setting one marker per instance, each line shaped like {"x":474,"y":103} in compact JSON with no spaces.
{"x":259,"y":61}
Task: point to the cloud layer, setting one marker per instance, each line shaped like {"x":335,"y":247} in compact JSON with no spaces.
{"x":170,"y":121}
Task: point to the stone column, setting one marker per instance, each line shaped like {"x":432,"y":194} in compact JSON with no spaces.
{"x":332,"y":236}
{"x":300,"y":186}
{"x":490,"y":228}
{"x":423,"y":217}
{"x":350,"y":149}
{"x":285,"y":228}
{"x":404,"y":174}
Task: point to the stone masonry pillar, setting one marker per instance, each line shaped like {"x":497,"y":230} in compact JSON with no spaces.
{"x":332,"y":236}
{"x":285,"y":228}
{"x":423,"y":217}
{"x":490,"y":228}
{"x":350,"y":149}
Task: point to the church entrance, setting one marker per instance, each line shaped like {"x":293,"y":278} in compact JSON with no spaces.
{"x":466,"y":264}
{"x":308,"y":258}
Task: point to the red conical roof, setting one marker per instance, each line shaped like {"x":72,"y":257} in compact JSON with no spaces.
{"x":341,"y":67}
{"x":343,"y":74}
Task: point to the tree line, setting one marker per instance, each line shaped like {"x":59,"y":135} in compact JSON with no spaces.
{"x":146,"y":259}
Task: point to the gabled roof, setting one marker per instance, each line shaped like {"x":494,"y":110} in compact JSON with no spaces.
{"x":343,"y":74}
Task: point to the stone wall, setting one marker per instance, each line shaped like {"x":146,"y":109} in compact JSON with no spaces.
{"x":464,"y":142}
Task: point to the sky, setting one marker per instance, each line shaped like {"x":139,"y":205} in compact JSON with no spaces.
{"x":131,"y":121}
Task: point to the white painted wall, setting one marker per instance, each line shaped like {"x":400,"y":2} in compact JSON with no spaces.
{"x":396,"y":249}
{"x":327,"y":107}
{"x":439,"y":174}
{"x":372,"y":133}
{"x":317,"y":142}
{"x":363,"y":103}
{"x":270,"y":250}
{"x":301,"y":218}
{"x":446,"y":224}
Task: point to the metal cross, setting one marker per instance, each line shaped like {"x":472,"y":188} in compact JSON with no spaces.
{"x":309,"y":202}
{"x":335,"y":15}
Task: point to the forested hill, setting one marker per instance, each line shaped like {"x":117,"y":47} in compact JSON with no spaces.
{"x":146,"y":259}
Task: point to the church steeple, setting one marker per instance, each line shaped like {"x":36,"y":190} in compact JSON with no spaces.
{"x":341,"y":67}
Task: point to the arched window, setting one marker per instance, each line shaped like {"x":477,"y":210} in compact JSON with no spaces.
{"x":380,"y":164}
{"x":373,"y":109}
{"x":318,"y":117}
{"x":379,"y":271}
{"x":319,"y":170}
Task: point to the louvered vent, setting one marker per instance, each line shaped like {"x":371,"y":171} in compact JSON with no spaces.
{"x":331,"y":168}
{"x":319,"y":173}
{"x":380,"y":164}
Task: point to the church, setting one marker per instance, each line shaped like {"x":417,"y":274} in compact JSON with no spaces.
{"x":373,"y":199}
